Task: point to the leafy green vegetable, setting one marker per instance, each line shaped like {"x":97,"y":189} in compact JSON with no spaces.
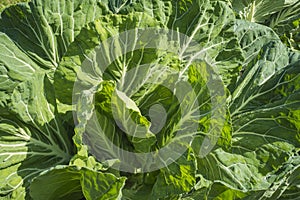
{"x":185,"y":99}
{"x":72,"y":183}
{"x":282,"y":16}
{"x":33,"y":136}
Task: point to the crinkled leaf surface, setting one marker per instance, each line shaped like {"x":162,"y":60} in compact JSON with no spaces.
{"x":265,"y":120}
{"x":260,"y":10}
{"x":214,"y":34}
{"x":32,"y":138}
{"x":282,"y":16}
{"x":242,"y":144}
{"x":44,"y":29}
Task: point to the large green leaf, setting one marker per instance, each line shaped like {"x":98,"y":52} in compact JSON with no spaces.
{"x":15,"y":67}
{"x":72,"y":183}
{"x":213,"y":29}
{"x":44,"y":29}
{"x":178,"y":178}
{"x":215,"y":191}
{"x":32,"y":136}
{"x":281,"y":15}
{"x":101,"y":186}
{"x":127,"y":116}
{"x":265,"y":120}
{"x":62,"y":183}
{"x":260,"y":10}
{"x":35,"y":35}
{"x":286,"y":24}
{"x":256,"y":41}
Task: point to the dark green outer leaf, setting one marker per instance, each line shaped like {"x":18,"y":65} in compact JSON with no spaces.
{"x":44,"y":29}
{"x":32,"y":137}
{"x":72,"y":183}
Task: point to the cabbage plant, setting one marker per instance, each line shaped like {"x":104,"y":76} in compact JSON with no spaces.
{"x":183,"y":99}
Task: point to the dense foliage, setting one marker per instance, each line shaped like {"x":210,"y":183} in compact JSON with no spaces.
{"x":219,"y":91}
{"x":5,"y":3}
